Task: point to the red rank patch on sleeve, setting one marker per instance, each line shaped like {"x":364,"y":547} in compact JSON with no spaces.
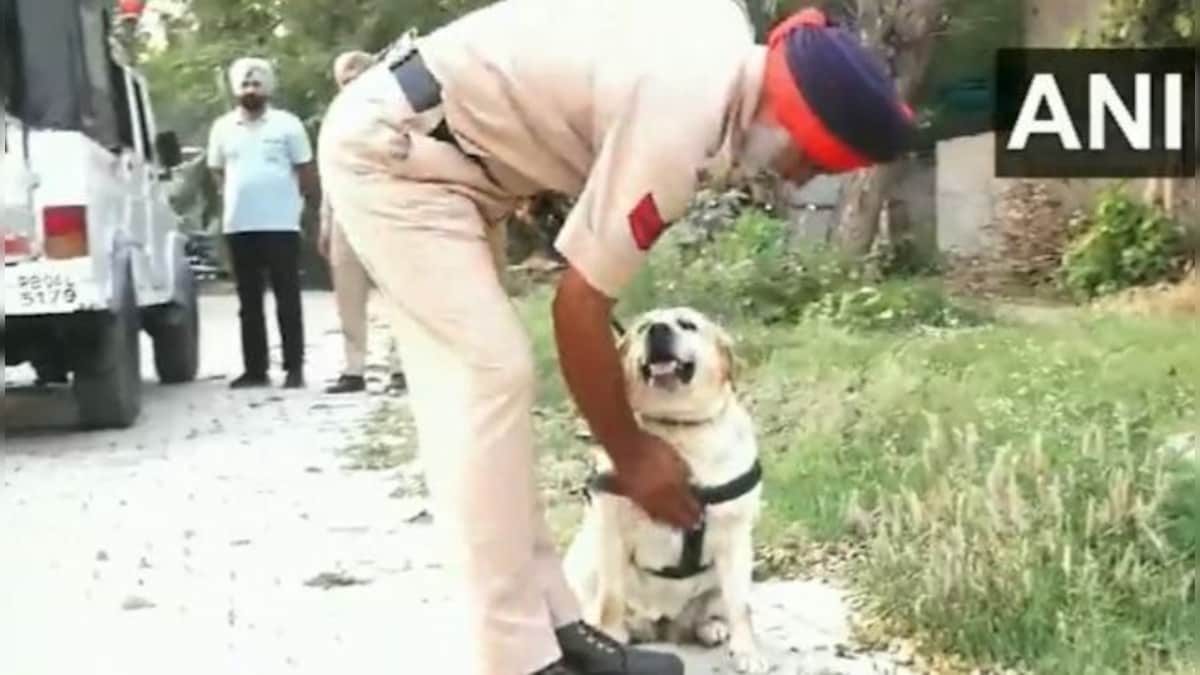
{"x":645,"y":222}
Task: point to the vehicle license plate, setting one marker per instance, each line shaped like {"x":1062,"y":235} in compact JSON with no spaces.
{"x":45,"y":289}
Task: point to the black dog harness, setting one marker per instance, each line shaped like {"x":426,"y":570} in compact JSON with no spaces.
{"x":691,"y":561}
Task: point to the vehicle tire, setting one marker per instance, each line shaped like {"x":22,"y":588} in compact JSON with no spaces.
{"x":176,"y":335}
{"x":108,"y":385}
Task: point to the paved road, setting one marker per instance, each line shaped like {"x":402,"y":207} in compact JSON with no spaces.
{"x":191,"y":543}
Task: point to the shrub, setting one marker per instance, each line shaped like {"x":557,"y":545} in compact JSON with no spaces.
{"x":893,"y":306}
{"x":1122,"y":242}
{"x":749,"y":270}
{"x":746,"y":270}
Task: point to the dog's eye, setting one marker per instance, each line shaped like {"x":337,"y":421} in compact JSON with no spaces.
{"x":686,"y":325}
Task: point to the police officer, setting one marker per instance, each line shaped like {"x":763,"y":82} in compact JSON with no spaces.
{"x":351,"y":284}
{"x":623,"y":104}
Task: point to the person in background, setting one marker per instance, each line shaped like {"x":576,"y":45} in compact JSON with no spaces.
{"x":351,"y":283}
{"x":261,"y":157}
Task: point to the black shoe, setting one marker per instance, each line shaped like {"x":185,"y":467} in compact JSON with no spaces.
{"x":347,"y":384}
{"x":250,"y":380}
{"x":557,"y":668}
{"x":398,"y":384}
{"x":49,"y":379}
{"x":591,"y":652}
{"x":294,"y":380}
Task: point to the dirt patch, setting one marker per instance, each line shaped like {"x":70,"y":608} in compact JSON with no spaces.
{"x":328,"y":580}
{"x":1173,"y":300}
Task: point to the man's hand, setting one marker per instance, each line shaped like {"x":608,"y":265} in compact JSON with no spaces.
{"x":310,"y":185}
{"x":649,"y":471}
{"x":655,"y":477}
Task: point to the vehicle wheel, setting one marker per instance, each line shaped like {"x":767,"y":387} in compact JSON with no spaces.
{"x":108,"y":386}
{"x":177,"y":335}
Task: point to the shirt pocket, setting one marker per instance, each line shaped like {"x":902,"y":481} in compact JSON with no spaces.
{"x":275,"y":149}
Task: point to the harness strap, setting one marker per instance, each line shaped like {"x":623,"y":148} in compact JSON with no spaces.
{"x":735,"y":488}
{"x":691,"y":561}
{"x":691,"y":557}
{"x":418,"y":84}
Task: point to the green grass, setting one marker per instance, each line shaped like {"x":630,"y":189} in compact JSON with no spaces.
{"x":1004,"y":482}
{"x":1000,"y":480}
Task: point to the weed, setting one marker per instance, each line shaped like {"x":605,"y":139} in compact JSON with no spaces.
{"x":1122,"y":242}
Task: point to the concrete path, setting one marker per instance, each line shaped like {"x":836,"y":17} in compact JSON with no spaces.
{"x":226,"y":534}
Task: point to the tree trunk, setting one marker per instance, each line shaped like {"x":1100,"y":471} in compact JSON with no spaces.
{"x":1160,"y":192}
{"x":858,"y":216}
{"x":902,"y":33}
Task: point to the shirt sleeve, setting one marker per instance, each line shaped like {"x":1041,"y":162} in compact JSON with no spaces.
{"x":299,"y":147}
{"x":643,"y":179}
{"x":216,"y":145}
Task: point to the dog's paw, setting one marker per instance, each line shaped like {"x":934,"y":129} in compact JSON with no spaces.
{"x":750,"y":663}
{"x":713,"y":632}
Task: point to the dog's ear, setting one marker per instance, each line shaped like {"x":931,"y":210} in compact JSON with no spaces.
{"x":622,"y":336}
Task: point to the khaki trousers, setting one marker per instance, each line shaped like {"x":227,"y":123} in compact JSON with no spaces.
{"x":351,"y":288}
{"x":413,"y":208}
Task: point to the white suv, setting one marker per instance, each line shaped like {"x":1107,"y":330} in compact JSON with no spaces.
{"x":92,"y":249}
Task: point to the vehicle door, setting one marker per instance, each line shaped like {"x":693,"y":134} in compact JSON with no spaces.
{"x":161,"y":217}
{"x":142,"y":176}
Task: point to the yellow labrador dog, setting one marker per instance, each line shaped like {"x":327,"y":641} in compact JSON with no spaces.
{"x":642,"y":581}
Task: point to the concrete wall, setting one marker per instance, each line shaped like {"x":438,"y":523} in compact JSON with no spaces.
{"x":966,"y":194}
{"x":813,"y":208}
{"x":967,"y":189}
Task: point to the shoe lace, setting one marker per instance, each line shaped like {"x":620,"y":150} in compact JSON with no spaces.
{"x":604,"y":642}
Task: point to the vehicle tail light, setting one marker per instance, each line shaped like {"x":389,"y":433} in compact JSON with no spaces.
{"x":66,"y":231}
{"x":17,"y":247}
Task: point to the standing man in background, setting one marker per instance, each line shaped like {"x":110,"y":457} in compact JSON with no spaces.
{"x":262,"y":159}
{"x":350,"y":281}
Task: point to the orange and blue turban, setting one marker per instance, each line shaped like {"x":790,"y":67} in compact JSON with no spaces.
{"x":832,"y":96}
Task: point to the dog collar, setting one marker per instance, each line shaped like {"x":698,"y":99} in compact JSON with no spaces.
{"x":676,"y":422}
{"x":683,"y":422}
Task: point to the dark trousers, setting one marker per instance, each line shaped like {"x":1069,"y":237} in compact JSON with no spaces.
{"x":278,"y":255}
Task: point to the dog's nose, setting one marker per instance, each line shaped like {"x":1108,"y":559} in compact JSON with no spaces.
{"x":660,"y":342}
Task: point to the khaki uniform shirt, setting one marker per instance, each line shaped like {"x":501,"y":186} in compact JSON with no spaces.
{"x":624,"y":104}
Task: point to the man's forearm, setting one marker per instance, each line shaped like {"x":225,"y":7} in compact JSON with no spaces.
{"x":310,"y":187}
{"x":218,"y":179}
{"x":591,"y":364}
{"x":218,"y":191}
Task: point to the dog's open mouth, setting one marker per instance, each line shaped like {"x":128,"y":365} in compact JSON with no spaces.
{"x":668,"y":372}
